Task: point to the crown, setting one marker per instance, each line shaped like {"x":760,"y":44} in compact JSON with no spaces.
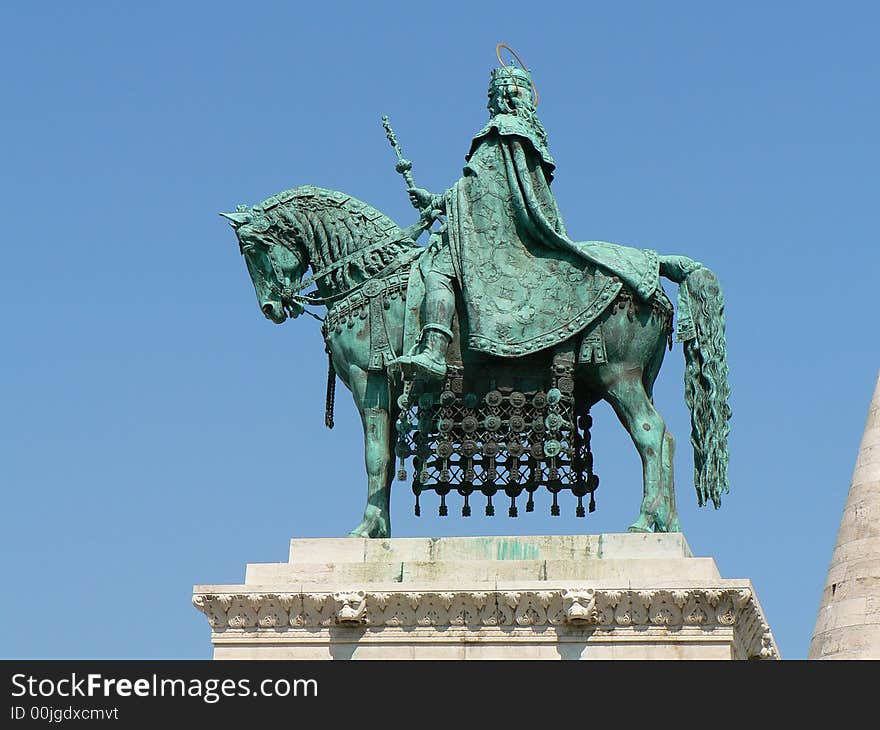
{"x":510,"y":76}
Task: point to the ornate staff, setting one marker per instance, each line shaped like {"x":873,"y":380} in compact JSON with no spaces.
{"x":404,"y":167}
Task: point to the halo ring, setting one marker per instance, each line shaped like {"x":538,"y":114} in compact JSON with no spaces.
{"x":525,"y":68}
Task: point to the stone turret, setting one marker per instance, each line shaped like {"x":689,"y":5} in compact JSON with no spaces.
{"x":848,"y":625}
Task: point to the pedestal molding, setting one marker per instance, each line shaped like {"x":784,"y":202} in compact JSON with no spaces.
{"x":596,"y":609}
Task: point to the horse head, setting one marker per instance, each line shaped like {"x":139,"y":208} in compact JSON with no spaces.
{"x":275,"y":262}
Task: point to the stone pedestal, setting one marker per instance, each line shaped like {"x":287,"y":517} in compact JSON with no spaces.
{"x":614,"y":596}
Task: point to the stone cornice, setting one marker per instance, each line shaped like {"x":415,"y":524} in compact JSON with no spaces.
{"x":596,"y":609}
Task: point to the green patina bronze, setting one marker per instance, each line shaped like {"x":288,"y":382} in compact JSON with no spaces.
{"x":480,"y":354}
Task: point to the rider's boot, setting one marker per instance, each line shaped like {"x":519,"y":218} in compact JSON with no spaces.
{"x":430,"y":363}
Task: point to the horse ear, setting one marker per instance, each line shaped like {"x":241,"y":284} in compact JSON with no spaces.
{"x":237,"y":219}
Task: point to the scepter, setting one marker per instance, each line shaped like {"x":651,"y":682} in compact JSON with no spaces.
{"x":404,"y":167}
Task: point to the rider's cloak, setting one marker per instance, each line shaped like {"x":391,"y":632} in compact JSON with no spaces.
{"x":526,"y":285}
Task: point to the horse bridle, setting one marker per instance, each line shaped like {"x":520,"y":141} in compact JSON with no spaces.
{"x":285,"y":294}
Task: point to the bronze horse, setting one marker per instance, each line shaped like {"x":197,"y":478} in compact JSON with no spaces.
{"x":352,"y":248}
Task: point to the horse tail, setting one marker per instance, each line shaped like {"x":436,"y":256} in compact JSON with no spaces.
{"x":706,"y":386}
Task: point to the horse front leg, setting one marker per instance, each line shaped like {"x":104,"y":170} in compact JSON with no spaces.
{"x":371,"y":396}
{"x":655,"y":445}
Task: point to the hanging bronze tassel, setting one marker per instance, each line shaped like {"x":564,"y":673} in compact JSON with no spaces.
{"x":331,"y":388}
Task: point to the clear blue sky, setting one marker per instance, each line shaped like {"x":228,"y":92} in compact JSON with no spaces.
{"x":158,"y":432}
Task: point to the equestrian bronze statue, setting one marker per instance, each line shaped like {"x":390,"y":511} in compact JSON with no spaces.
{"x":474,"y":360}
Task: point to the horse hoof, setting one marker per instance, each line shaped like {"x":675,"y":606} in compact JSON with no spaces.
{"x":372,"y":528}
{"x":637,"y":528}
{"x":643,"y":524}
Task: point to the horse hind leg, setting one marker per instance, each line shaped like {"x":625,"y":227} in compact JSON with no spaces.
{"x":371,"y":393}
{"x":673,"y":523}
{"x":652,"y":369}
{"x":633,"y":406}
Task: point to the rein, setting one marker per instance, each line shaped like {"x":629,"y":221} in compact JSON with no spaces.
{"x":399,"y":262}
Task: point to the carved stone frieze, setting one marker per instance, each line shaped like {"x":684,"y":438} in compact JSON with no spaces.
{"x":586,"y":608}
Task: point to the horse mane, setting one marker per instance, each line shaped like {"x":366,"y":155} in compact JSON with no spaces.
{"x":332,"y":225}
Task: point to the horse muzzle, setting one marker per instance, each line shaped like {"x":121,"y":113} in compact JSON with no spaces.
{"x":274,"y":311}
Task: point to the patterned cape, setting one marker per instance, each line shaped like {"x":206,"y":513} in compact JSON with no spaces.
{"x":525,"y":284}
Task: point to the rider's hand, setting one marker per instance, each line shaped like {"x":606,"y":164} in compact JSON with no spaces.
{"x":420,"y":198}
